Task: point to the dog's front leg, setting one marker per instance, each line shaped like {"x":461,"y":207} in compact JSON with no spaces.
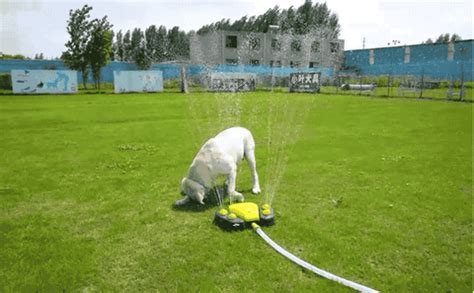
{"x":250,"y":155}
{"x":181,"y":202}
{"x":234,"y":195}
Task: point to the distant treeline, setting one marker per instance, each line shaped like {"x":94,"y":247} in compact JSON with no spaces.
{"x":308,"y":17}
{"x":155,"y":44}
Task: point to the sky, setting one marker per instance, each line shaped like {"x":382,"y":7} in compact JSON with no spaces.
{"x":29,"y":27}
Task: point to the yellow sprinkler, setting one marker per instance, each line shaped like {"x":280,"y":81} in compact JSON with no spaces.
{"x":240,"y":216}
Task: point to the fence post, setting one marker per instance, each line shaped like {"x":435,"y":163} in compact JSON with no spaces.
{"x":388,"y":85}
{"x":461,"y":90}
{"x":449,"y":93}
{"x":422,"y":84}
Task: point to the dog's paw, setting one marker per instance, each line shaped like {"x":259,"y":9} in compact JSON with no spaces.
{"x":256,"y":190}
{"x":237,"y":196}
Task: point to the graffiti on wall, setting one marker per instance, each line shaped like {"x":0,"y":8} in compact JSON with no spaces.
{"x":138,"y":81}
{"x":232,"y":82}
{"x":44,"y":81}
{"x":305,"y":82}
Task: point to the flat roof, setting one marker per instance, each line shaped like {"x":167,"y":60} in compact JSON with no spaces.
{"x":414,"y":45}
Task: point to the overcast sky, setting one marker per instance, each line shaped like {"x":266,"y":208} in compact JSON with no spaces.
{"x":39,"y":26}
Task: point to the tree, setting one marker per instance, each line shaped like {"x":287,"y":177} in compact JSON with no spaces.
{"x":139,"y":51}
{"x":162,"y":40}
{"x":173,"y":42}
{"x":302,"y":20}
{"x":455,"y":38}
{"x":16,"y":56}
{"x":118,"y":47}
{"x":112,"y":51}
{"x":127,"y":47}
{"x":151,"y":38}
{"x":99,"y":47}
{"x":445,"y":38}
{"x":78,"y":28}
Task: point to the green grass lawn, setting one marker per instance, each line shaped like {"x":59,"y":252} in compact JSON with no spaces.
{"x":378,"y":191}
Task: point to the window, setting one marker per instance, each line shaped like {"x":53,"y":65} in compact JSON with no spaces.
{"x":231,"y":61}
{"x":313,"y":64}
{"x":231,"y":41}
{"x":254,"y":43}
{"x":450,"y":51}
{"x":406,"y":56}
{"x":255,"y":62}
{"x":276,"y":45}
{"x":276,"y":63}
{"x":315,"y":47}
{"x":371,"y":57}
{"x":295,"y":64}
{"x":334,"y":47}
{"x":296,"y":46}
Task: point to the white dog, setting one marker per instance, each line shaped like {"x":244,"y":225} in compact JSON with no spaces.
{"x":220,"y":156}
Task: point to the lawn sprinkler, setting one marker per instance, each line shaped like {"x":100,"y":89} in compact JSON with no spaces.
{"x":240,"y":216}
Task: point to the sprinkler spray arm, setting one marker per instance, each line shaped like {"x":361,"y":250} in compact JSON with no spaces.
{"x":309,"y":266}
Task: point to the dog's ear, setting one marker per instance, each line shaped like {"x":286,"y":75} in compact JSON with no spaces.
{"x":182,"y":189}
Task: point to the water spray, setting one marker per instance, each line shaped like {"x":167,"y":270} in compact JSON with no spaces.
{"x":284,"y":123}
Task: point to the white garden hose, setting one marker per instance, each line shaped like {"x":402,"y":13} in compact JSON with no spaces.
{"x":309,"y":266}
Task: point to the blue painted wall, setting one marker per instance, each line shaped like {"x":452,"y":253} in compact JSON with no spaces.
{"x":169,"y":70}
{"x":425,"y":59}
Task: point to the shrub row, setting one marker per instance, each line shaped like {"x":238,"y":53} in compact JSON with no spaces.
{"x":5,"y":81}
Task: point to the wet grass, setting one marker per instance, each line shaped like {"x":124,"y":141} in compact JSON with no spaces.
{"x":376,"y":190}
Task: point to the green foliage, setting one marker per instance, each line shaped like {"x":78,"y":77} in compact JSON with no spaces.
{"x":5,"y":81}
{"x":78,"y":27}
{"x":446,"y":38}
{"x":155,"y":45}
{"x":16,"y":56}
{"x":99,"y":46}
{"x":139,"y":50}
{"x":171,"y":84}
{"x":301,"y":20}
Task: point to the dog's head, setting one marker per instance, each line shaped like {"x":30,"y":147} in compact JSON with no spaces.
{"x":193,"y":190}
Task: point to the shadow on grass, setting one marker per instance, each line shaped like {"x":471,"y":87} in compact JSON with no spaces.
{"x":210,"y":202}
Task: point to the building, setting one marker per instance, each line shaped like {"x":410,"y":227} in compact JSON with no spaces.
{"x":446,"y":61}
{"x":266,"y":49}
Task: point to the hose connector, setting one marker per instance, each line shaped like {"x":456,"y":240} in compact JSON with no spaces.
{"x":255,"y":226}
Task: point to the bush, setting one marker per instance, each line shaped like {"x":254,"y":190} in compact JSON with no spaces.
{"x":171,"y":84}
{"x":5,"y":81}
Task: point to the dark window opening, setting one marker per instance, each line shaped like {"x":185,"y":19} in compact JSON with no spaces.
{"x":231,"y":41}
{"x":334,"y":47}
{"x":231,"y":61}
{"x":295,"y":64}
{"x":254,"y":43}
{"x":315,"y":47}
{"x":255,"y":62}
{"x":276,"y":63}
{"x":276,"y":45}
{"x":296,"y":46}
